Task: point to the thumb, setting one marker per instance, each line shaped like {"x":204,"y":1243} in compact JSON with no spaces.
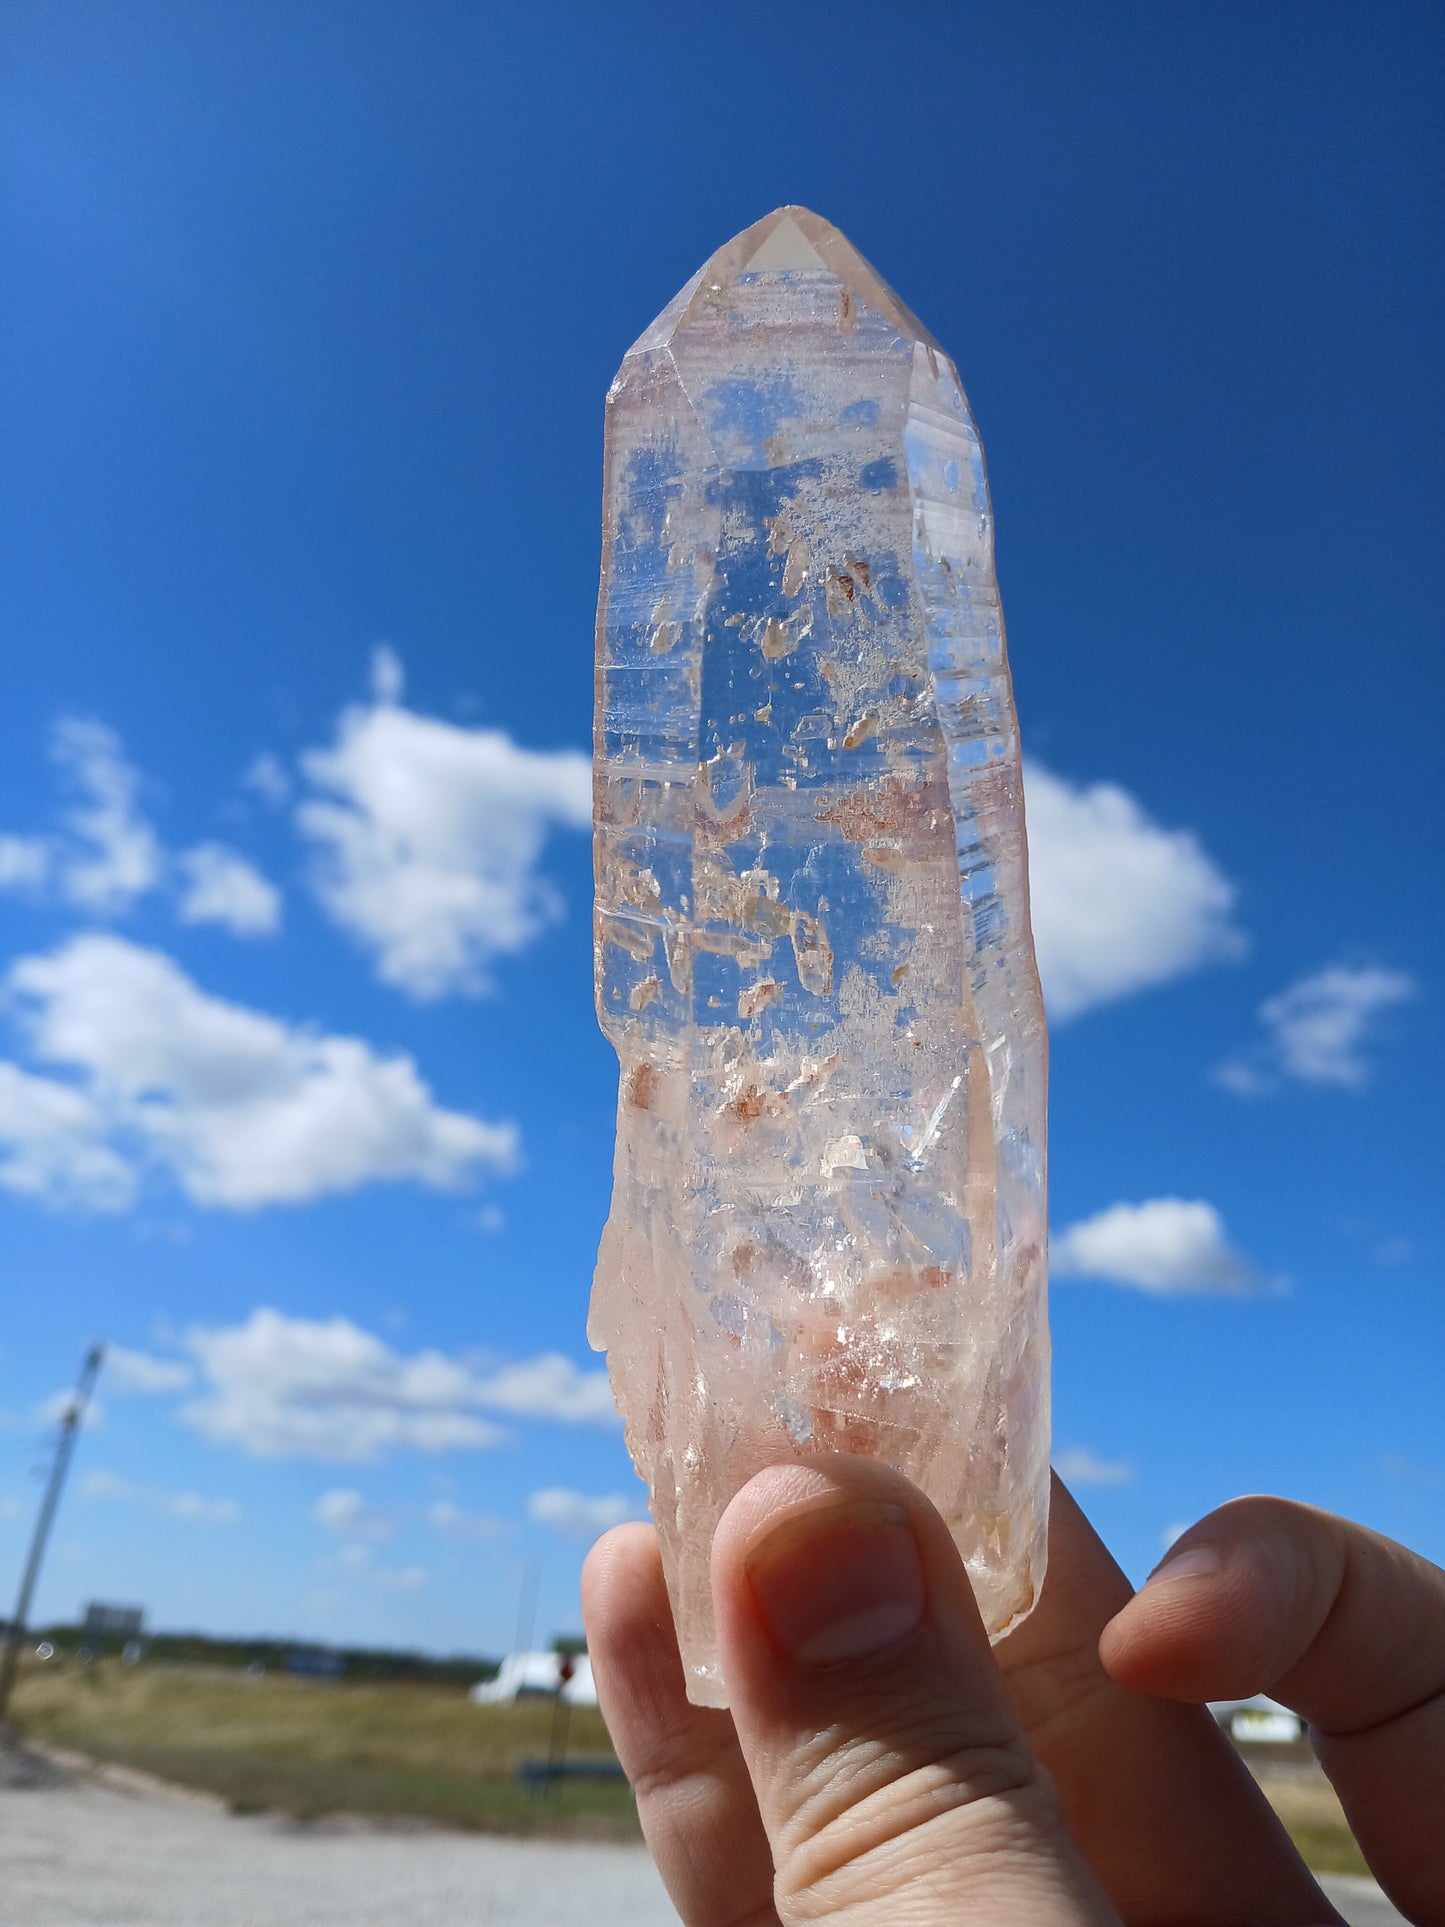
{"x":892,"y":1778}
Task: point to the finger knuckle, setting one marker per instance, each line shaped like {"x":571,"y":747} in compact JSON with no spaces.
{"x":674,"y":1759}
{"x":857,"y":1805}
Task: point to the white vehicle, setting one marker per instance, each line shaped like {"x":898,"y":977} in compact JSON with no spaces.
{"x":537,"y":1676}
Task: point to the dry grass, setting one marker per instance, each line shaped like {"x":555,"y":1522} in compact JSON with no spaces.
{"x":1311,"y":1811}
{"x":310,"y":1748}
{"x":423,"y":1752}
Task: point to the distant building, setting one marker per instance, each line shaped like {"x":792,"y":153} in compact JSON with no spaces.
{"x":114,"y":1622}
{"x":537,"y":1676}
{"x":1259,"y":1720}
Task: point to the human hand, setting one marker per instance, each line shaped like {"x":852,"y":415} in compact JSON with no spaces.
{"x":874,"y":1767}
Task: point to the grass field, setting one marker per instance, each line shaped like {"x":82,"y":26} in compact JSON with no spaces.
{"x":310,"y":1748}
{"x":1309,"y":1807}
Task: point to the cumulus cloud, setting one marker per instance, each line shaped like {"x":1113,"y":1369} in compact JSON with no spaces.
{"x":193,"y":1508}
{"x":1077,"y":1465}
{"x":24,"y":862}
{"x":345,"y":1512}
{"x":113,"y":855}
{"x":360,"y":1561}
{"x":428,"y":838}
{"x":243,"y":1109}
{"x":265,"y":775}
{"x":1316,"y":1030}
{"x":577,"y":1516}
{"x":222,"y":887}
{"x":1169,"y":1247}
{"x":551,"y":1386}
{"x":400,"y":1578}
{"x":453,"y":1521}
{"x":281,"y":1387}
{"x":107,"y":853}
{"x":53,"y":1146}
{"x":1119,"y":904}
{"x":128,"y":1371}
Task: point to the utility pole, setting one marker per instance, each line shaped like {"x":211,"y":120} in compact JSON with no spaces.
{"x":526,"y":1610}
{"x":64,"y":1447}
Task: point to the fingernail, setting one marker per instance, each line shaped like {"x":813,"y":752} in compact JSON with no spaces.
{"x":838,"y":1583}
{"x":1195,"y":1562}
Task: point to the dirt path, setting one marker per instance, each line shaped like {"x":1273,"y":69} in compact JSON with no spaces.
{"x":80,"y":1852}
{"x":95,"y":1855}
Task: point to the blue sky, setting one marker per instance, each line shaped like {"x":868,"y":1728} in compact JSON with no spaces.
{"x":309,"y":319}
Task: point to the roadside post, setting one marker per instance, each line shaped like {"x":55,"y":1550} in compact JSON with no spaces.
{"x":561,"y":1720}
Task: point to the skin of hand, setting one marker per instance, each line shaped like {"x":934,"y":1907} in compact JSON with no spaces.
{"x":880,"y":1767}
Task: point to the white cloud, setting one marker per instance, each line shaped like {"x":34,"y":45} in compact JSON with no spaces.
{"x":1077,"y":1465}
{"x":243,"y":1109}
{"x":283,"y":1387}
{"x":359,"y":1561}
{"x":345,"y":1512}
{"x":222,"y":887}
{"x":58,"y":1407}
{"x":190,"y":1507}
{"x":114,"y":855}
{"x":24,"y":862}
{"x":1118,"y":903}
{"x":388,"y":678}
{"x":428,"y":837}
{"x":1242,"y":1078}
{"x":400,"y":1578}
{"x":1165,"y":1246}
{"x":266,"y":776}
{"x":455,"y":1522}
{"x":575,"y":1515}
{"x":53,"y":1149}
{"x":128,"y":1371}
{"x":1316,"y":1030}
{"x":550,"y":1386}
{"x":107,"y":853}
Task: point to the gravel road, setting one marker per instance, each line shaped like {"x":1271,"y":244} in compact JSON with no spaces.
{"x":86,"y":1853}
{"x":89,"y":1855}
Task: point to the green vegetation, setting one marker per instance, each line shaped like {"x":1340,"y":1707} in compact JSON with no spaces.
{"x":419,"y":1750}
{"x":349,"y":1662}
{"x":310,"y":1747}
{"x":1311,"y":1811}
{"x":1328,"y":1846}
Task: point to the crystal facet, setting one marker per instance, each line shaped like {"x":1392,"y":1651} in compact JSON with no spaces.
{"x":812,"y":943}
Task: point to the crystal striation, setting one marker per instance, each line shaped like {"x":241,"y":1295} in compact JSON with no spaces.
{"x":813,"y":951}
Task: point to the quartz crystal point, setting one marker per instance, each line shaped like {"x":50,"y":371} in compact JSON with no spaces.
{"x":813,"y":951}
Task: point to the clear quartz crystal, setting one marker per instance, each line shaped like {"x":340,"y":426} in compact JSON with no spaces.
{"x":813,"y":951}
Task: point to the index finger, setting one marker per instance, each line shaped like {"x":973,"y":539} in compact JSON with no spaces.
{"x":1170,"y":1819}
{"x":1344,"y":1626}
